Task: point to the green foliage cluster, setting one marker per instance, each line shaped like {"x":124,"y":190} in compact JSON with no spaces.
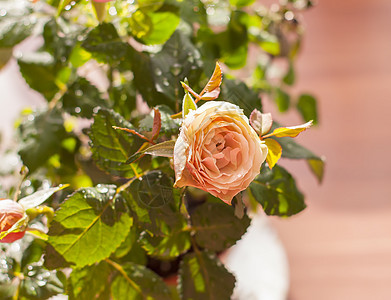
{"x":121,"y":227}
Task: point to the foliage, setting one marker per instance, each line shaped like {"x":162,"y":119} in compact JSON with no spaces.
{"x":120,"y":217}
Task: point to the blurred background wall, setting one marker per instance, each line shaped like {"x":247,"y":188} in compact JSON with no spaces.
{"x":340,"y":246}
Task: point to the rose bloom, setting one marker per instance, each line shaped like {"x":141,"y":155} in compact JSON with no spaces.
{"x":10,"y":213}
{"x":218,"y":151}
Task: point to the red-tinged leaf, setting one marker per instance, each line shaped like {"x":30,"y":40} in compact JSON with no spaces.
{"x":274,"y":152}
{"x":211,"y":95}
{"x":100,"y":10}
{"x":261,"y":122}
{"x":133,"y":132}
{"x":292,"y":131}
{"x":157,"y":124}
{"x":214,"y":81}
{"x":190,"y":90}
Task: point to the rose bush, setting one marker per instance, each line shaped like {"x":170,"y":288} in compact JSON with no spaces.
{"x":218,"y":151}
{"x":10,"y":213}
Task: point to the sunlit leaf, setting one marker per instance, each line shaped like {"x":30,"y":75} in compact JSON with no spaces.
{"x":291,"y":131}
{"x":188,"y":104}
{"x":90,"y":225}
{"x":274,"y":152}
{"x":163,"y":25}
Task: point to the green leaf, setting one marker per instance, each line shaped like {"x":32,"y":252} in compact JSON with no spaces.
{"x":106,"y":45}
{"x":39,"y":197}
{"x":14,"y":30}
{"x":269,"y":43}
{"x":216,"y":226}
{"x":307,"y":107}
{"x":90,"y":225}
{"x":164,"y":24}
{"x":239,"y":93}
{"x":140,"y":24}
{"x":41,"y":135}
{"x":165,"y":149}
{"x":40,"y":72}
{"x":317,"y":167}
{"x":89,"y":282}
{"x":158,"y":77}
{"x":79,"y":56}
{"x":137,"y":282}
{"x":150,"y":5}
{"x":282,"y":99}
{"x":289,"y":77}
{"x":202,"y":276}
{"x":60,"y":36}
{"x":241,"y":3}
{"x":188,"y":104}
{"x":166,"y":247}
{"x":111,"y":148}
{"x":276,"y":191}
{"x":81,"y":98}
{"x":128,"y":243}
{"x":155,"y":204}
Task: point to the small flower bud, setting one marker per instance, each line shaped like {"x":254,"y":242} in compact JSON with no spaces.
{"x":10,"y":213}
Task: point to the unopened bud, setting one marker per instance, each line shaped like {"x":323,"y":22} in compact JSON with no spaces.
{"x":10,"y":213}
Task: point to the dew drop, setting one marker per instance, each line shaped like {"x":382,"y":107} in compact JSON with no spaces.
{"x":158,"y":72}
{"x":165,"y":82}
{"x":77,"y":110}
{"x":176,"y":69}
{"x":41,"y":282}
{"x":68,"y":7}
{"x":112,"y":11}
{"x":3,"y":12}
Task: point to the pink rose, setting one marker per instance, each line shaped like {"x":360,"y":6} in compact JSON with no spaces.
{"x":218,"y":151}
{"x":10,"y":213}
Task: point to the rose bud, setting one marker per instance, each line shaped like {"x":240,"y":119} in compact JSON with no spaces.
{"x":218,"y":151}
{"x":10,"y":213}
